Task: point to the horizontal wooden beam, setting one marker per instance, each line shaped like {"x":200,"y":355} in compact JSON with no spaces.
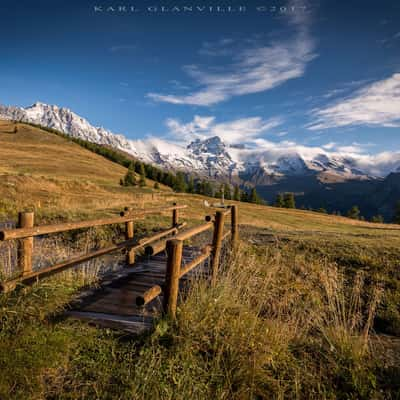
{"x":21,"y":233}
{"x":194,"y":231}
{"x":227,"y":211}
{"x":173,"y":230}
{"x":11,"y":284}
{"x":132,"y":212}
{"x":148,"y":295}
{"x":226,"y":234}
{"x":159,"y":246}
{"x":198,"y":260}
{"x":155,"y":248}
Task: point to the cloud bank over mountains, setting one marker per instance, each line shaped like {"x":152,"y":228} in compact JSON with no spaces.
{"x":214,"y":148}
{"x":239,"y":131}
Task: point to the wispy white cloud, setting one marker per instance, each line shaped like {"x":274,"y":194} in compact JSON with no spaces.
{"x":334,"y":93}
{"x":376,"y":104}
{"x":220,"y":48}
{"x":329,"y":146}
{"x":379,"y":164}
{"x":388,"y":41}
{"x":238,"y":131}
{"x":353,"y":148}
{"x":255,"y":68}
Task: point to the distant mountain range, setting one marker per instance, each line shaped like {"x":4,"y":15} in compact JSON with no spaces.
{"x":319,"y":178}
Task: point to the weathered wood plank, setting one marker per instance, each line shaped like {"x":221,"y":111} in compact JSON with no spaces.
{"x":20,"y":233}
{"x":132,"y":324}
{"x":117,"y":298}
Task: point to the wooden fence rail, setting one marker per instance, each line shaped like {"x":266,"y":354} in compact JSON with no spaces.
{"x":174,"y":249}
{"x":26,"y":231}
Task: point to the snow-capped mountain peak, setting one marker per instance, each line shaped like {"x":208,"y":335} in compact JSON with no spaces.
{"x":209,"y":157}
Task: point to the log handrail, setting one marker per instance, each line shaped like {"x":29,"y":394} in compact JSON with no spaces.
{"x":148,"y":295}
{"x":27,"y":231}
{"x":206,"y":252}
{"x":20,"y":233}
{"x":194,"y":231}
{"x":158,"y":247}
{"x":174,"y":271}
{"x":131,"y":244}
{"x":174,"y":249}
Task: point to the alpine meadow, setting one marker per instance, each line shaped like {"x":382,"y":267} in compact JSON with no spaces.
{"x":308,"y":308}
{"x":199,"y":200}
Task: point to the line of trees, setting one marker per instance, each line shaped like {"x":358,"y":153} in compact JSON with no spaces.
{"x":285,"y":200}
{"x":186,"y":183}
{"x":179,"y":182}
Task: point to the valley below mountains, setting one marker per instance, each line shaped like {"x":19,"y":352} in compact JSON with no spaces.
{"x":318,"y":178}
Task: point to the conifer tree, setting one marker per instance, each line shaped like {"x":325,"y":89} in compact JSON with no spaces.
{"x":190,"y":185}
{"x":179,"y":184}
{"x":208,"y":189}
{"x":236,"y":193}
{"x":244,"y":196}
{"x":396,"y":217}
{"x":129,"y":179}
{"x":254,"y":198}
{"x":279,"y":201}
{"x":138,"y":167}
{"x":218,"y":193}
{"x":227,"y":192}
{"x":199,"y":187}
{"x":354,"y":213}
{"x":377,"y":218}
{"x":288,"y":200}
{"x":142,"y":172}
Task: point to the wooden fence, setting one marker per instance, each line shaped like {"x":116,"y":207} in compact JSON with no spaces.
{"x":26,"y":231}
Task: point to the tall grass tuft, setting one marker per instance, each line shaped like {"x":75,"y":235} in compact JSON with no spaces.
{"x":279,"y":324}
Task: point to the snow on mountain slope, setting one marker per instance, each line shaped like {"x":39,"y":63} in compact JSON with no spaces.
{"x":211,"y":157}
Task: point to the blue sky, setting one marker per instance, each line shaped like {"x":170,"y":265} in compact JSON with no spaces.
{"x":326,"y":76}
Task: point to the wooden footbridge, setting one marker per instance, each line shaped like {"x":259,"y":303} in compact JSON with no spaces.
{"x":147,"y":286}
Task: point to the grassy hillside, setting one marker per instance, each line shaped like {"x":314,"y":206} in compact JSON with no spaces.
{"x":308,"y":310}
{"x":43,"y":171}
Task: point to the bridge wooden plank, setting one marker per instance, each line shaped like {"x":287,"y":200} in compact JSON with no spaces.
{"x":132,"y":324}
{"x":114,"y":303}
{"x":119,"y":309}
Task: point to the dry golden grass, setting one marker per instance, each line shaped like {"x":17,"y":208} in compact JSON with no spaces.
{"x":298,"y":222}
{"x":41,"y":170}
{"x":39,"y":153}
{"x":278,"y":325}
{"x":289,"y":318}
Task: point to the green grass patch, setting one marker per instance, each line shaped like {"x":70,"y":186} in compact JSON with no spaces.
{"x":281,"y":323}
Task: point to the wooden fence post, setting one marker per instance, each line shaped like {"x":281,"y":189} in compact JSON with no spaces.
{"x":217,"y":244}
{"x":129,"y":232}
{"x":175,"y":217}
{"x":234,"y":227}
{"x":25,"y":248}
{"x":174,"y":261}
